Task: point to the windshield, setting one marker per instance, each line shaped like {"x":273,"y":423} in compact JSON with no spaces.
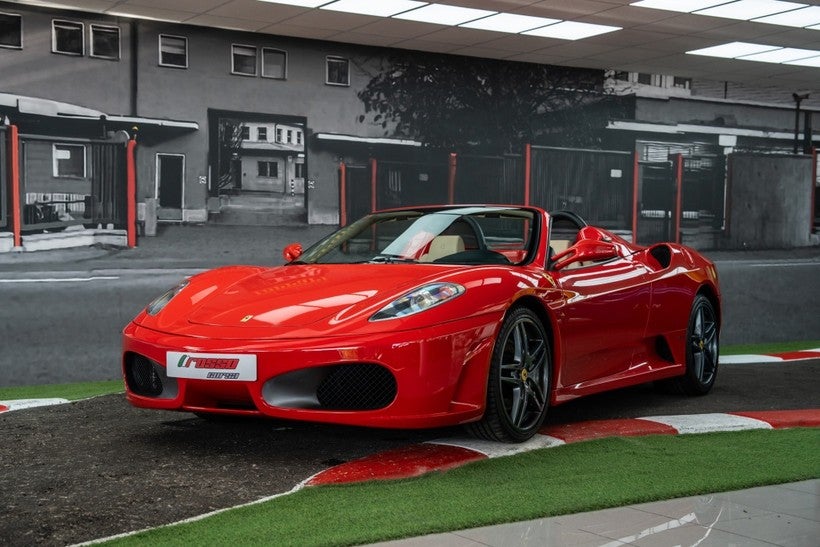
{"x":468,"y":235}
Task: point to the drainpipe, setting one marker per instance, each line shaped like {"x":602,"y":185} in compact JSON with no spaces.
{"x":797,"y":100}
{"x":134,"y":67}
{"x":14,"y":175}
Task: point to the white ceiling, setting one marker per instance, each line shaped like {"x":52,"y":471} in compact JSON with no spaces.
{"x":651,"y":40}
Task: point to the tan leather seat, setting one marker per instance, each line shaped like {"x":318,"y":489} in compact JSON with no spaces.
{"x":442,"y":246}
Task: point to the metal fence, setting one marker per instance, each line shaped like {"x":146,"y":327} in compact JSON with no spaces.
{"x":655,"y":202}
{"x":411,"y":183}
{"x":489,"y":179}
{"x":658,"y":202}
{"x":596,"y":184}
{"x":90,"y":192}
{"x":703,"y":191}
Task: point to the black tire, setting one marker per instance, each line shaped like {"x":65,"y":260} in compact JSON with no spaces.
{"x":702,"y":349}
{"x":518,"y":385}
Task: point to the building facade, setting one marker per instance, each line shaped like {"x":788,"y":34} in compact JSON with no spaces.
{"x":220,"y":114}
{"x":213,"y":111}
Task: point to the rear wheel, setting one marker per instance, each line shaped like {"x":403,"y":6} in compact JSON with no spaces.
{"x":702,"y":340}
{"x":518,"y":386}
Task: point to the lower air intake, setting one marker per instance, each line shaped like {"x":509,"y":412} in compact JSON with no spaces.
{"x":356,"y":387}
{"x":142,"y":377}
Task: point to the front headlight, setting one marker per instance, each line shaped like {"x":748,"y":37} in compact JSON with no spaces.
{"x":156,"y":306}
{"x":419,"y":300}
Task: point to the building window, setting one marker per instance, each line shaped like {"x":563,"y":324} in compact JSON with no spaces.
{"x":105,"y":42}
{"x":338,"y":71}
{"x":246,"y":133}
{"x":69,"y":160}
{"x":299,"y":171}
{"x":67,"y":37}
{"x":243,"y":60}
{"x":173,"y":51}
{"x":274,"y":63}
{"x":278,"y":134}
{"x":684,"y":83}
{"x":11,"y":30}
{"x":290,"y":137}
{"x":262,"y":133}
{"x":298,"y":137}
{"x":267,"y":169}
{"x":644,"y":78}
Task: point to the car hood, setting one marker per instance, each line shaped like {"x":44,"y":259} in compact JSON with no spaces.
{"x":301,"y":295}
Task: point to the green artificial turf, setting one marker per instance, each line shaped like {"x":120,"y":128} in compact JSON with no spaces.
{"x":72,"y":392}
{"x":568,"y":479}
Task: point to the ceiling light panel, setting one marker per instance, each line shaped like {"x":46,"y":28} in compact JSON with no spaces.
{"x":300,"y":3}
{"x":732,"y":50}
{"x":685,"y":6}
{"x":782,"y":55}
{"x":443,"y":14}
{"x":382,"y":8}
{"x":510,"y":22}
{"x":745,"y":10}
{"x":571,"y":30}
{"x":803,"y":17}
{"x":811,"y":61}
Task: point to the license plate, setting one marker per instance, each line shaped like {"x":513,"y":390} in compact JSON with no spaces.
{"x":211,"y":366}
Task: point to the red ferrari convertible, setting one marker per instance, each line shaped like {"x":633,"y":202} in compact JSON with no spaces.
{"x":431,"y":316}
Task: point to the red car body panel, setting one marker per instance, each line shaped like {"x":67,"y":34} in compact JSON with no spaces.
{"x":612,"y":324}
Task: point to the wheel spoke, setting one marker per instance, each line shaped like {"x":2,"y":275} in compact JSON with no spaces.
{"x":505,"y":367}
{"x":519,"y":402}
{"x":699,"y":359}
{"x":519,"y":342}
{"x":711,"y":332}
{"x":538,"y":355}
{"x":699,"y":323}
{"x":512,"y":380}
{"x":537,"y":394}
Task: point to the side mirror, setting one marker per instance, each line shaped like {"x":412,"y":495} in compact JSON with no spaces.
{"x":586,"y":250}
{"x":292,"y":252}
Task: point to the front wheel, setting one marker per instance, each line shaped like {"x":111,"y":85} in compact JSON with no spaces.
{"x":518,"y":386}
{"x":702,"y":338}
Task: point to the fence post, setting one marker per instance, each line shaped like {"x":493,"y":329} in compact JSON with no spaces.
{"x":636,"y":176}
{"x":678,"y":196}
{"x":374,"y":167}
{"x":342,"y":193}
{"x":527,"y":172}
{"x":451,"y":178}
{"x":14,"y":176}
{"x":131,"y":189}
{"x":813,"y":203}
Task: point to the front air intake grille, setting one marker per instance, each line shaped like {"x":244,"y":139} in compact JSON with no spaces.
{"x":356,"y":387}
{"x":142,"y":377}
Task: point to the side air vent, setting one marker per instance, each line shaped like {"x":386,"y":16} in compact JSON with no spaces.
{"x":663,"y":254}
{"x":663,"y":350}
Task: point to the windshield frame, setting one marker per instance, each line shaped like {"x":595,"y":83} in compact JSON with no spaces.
{"x":423,"y":224}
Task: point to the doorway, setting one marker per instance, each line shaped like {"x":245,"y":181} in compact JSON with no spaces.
{"x":170,"y":186}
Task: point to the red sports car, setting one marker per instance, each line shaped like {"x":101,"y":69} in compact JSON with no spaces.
{"x":431,"y":316}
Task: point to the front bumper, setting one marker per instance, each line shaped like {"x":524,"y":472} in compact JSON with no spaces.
{"x":430,"y":377}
